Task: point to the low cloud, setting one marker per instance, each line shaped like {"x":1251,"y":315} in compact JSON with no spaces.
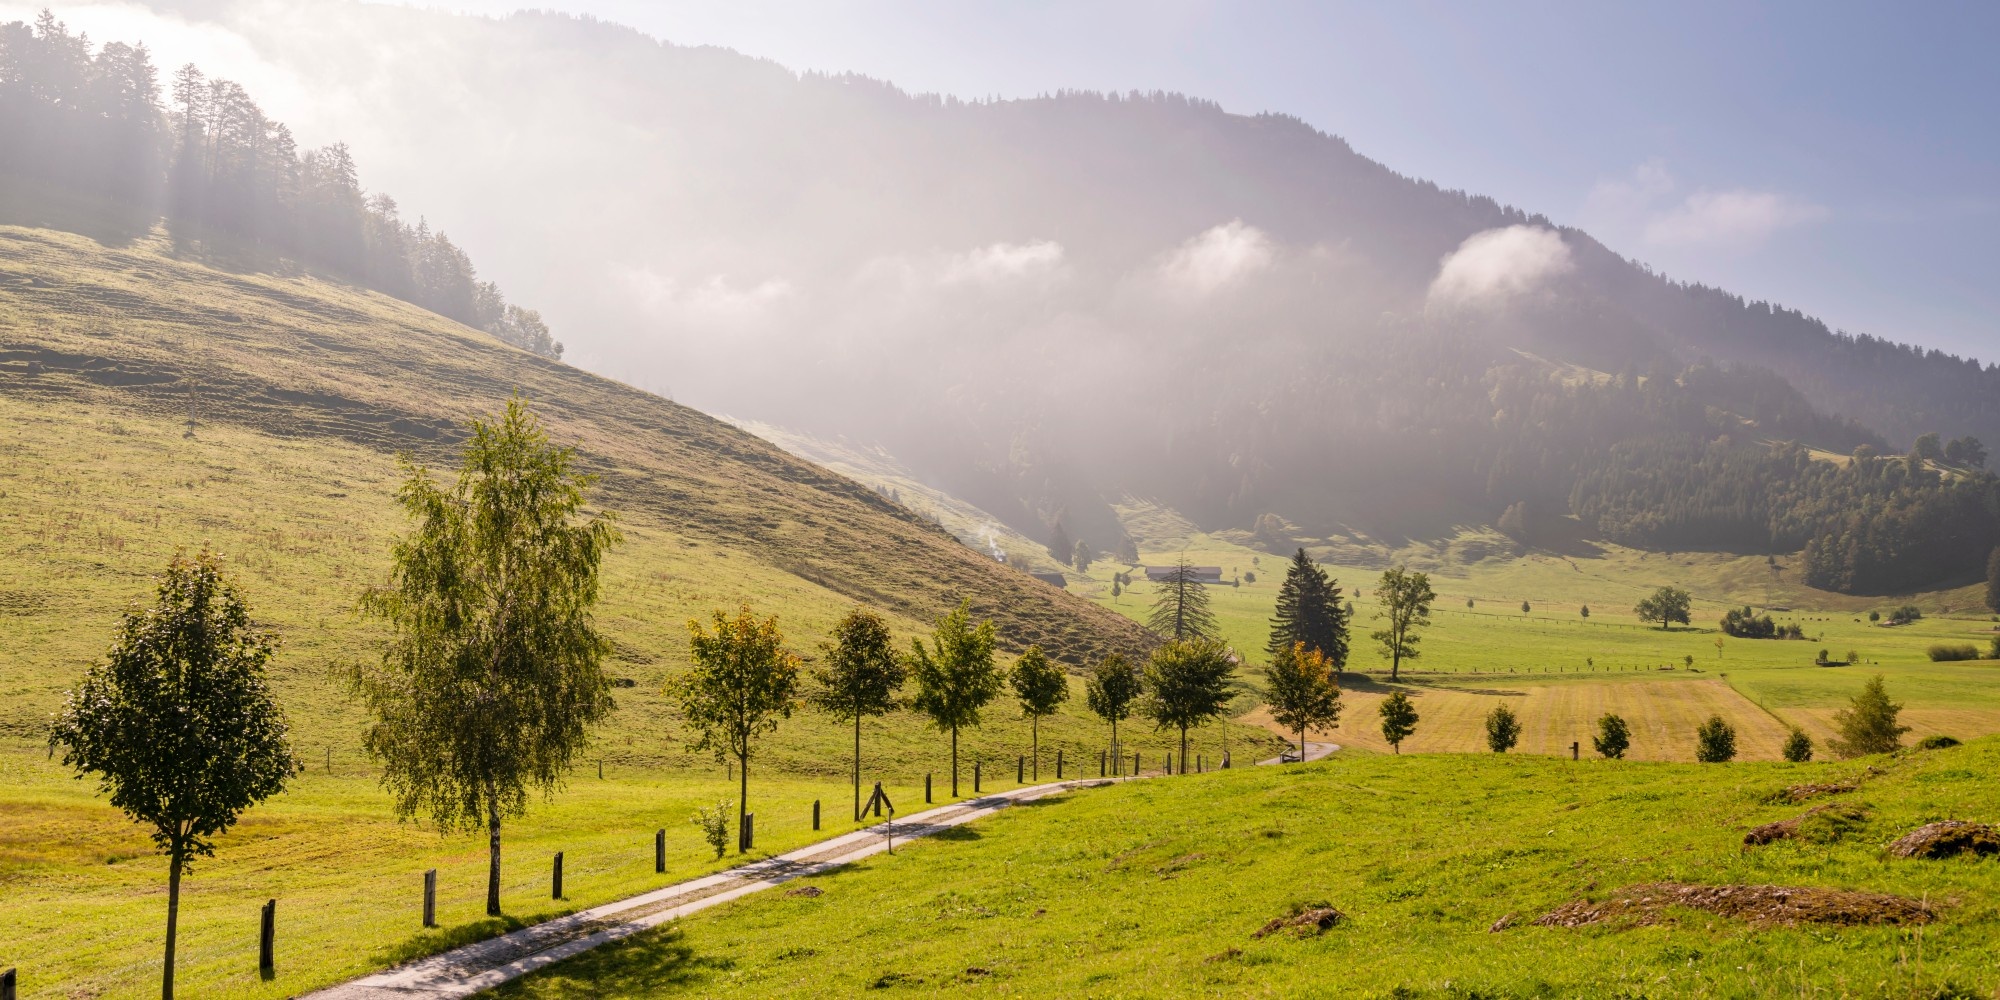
{"x":1730,"y":218}
{"x":1496,"y":265}
{"x":1218,"y":258}
{"x":713,"y":301}
{"x":1001,"y":263}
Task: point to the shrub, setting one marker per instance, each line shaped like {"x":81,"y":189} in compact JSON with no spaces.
{"x":1613,"y":737}
{"x":1503,"y":730}
{"x":1798,"y":746}
{"x":1943,"y":651}
{"x":1874,"y":616}
{"x":1746,"y":624}
{"x":1905,"y":615}
{"x":1937,"y":741}
{"x":1715,"y":741}
{"x":1524,"y":607}
{"x":714,"y":823}
{"x":1586,"y":611}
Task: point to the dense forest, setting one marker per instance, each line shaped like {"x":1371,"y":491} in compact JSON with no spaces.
{"x":206,"y":158}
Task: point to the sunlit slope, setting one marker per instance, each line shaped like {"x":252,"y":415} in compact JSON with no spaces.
{"x":302,"y":391}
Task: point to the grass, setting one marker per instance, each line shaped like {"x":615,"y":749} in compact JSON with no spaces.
{"x":1155,"y":889}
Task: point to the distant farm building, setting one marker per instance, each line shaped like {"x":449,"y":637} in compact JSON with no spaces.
{"x":1202,"y":574}
{"x":1052,"y":579}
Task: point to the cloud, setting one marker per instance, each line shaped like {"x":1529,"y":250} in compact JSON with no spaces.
{"x":1730,"y":218}
{"x":1493,"y":266}
{"x":712,"y":302}
{"x":1644,"y":204}
{"x":1218,"y":258}
{"x":1003,"y":262}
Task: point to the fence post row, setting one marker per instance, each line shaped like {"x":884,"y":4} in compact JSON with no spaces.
{"x":431,"y":898}
{"x":555,"y":887}
{"x":267,"y":940}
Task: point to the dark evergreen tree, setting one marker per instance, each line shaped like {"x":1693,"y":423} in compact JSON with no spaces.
{"x":1180,"y":606}
{"x":1310,"y":611}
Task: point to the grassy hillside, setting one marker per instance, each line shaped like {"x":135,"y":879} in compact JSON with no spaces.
{"x":1439,"y":865}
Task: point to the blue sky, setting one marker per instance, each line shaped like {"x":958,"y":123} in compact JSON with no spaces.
{"x":1840,"y":158}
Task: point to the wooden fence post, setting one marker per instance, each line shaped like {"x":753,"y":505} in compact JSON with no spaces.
{"x":7,"y":987}
{"x":1059,"y":763}
{"x":815,"y":814}
{"x":975,"y":777}
{"x":267,"y":941}
{"x":1100,"y":763}
{"x":1135,"y":763}
{"x":1020,"y":770}
{"x":1573,"y":751}
{"x":927,"y":788}
{"x":431,"y":898}
{"x":555,"y":886}
{"x":660,"y":851}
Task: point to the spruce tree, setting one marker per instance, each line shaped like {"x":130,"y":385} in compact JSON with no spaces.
{"x":1180,"y":608}
{"x":1868,"y":725}
{"x":1993,"y":580}
{"x":1310,"y":611}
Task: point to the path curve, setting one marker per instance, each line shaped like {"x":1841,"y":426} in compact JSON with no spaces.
{"x":466,"y":970}
{"x":1314,"y":751}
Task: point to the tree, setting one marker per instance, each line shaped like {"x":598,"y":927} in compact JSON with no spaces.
{"x":1503,"y":729}
{"x":1042,"y":687}
{"x":1868,"y":723}
{"x":1117,"y":591}
{"x":1309,"y":611}
{"x":1525,"y":608}
{"x":1399,"y":719}
{"x":1406,"y":607}
{"x":1667,"y":605}
{"x":1715,"y":741}
{"x":956,"y":676}
{"x":1993,"y":580}
{"x":1586,"y":611}
{"x":1613,"y":737}
{"x":1928,"y":447}
{"x":1187,"y":684}
{"x":1110,"y":691}
{"x":743,"y":681}
{"x":1061,"y":547}
{"x":1080,"y":557}
{"x":178,"y":721}
{"x":1798,"y":746}
{"x":857,"y":676}
{"x":1301,"y":691}
{"x":493,"y":674}
{"x":1180,"y":608}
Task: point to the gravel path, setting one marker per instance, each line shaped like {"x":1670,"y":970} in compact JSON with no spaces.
{"x":1314,"y":751}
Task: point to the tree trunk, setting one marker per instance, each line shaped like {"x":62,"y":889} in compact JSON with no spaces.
{"x":492,"y":855}
{"x":1395,"y":660}
{"x":954,"y":762}
{"x":742,"y":798}
{"x":857,"y":767}
{"x":174,"y":865}
{"x":1302,"y":744}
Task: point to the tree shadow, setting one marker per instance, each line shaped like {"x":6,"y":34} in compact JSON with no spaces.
{"x":434,"y":940}
{"x":648,"y":963}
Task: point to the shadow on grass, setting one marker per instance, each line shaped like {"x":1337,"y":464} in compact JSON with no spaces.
{"x":426,"y":943}
{"x":649,"y":963}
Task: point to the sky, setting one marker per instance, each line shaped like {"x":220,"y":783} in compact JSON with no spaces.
{"x":1838,"y":158}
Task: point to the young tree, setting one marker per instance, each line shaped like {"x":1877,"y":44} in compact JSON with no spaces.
{"x":1180,"y":607}
{"x":1613,"y":737}
{"x":1187,"y":684}
{"x":493,"y":673}
{"x":1112,"y":688}
{"x":1715,"y":741}
{"x":1503,"y":729}
{"x":1309,"y":611}
{"x":956,"y":676}
{"x":1666,"y":606}
{"x":1993,"y":580}
{"x":1080,"y":557}
{"x":1399,"y":719}
{"x":742,"y":683}
{"x":1042,"y":687}
{"x":1406,"y":607}
{"x":1301,"y":691}
{"x":858,"y":675}
{"x":178,"y":722}
{"x":1798,"y":746}
{"x":1868,"y":724}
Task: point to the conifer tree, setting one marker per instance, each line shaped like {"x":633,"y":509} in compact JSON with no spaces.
{"x":1503,"y":729}
{"x":1180,"y":606}
{"x":1993,"y":580}
{"x":1613,"y":737}
{"x":1868,"y":724}
{"x":1310,"y":611}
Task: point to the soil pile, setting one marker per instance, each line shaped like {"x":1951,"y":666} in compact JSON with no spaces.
{"x":1764,"y":905}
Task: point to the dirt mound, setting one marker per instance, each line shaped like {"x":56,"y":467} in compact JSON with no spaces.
{"x":1947,"y":838}
{"x":1307,"y":922}
{"x":1800,"y":793}
{"x":1818,"y":825}
{"x":1764,"y":905}
{"x":808,"y":891}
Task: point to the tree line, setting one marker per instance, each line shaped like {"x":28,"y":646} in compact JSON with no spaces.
{"x":206,"y":158}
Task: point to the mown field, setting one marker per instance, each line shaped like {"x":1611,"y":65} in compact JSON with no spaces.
{"x":1157,"y":889}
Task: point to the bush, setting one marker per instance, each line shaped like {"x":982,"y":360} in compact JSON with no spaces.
{"x":1874,"y":616}
{"x":1798,"y":746}
{"x":1943,"y":651}
{"x":1715,"y":741}
{"x":1586,"y":611}
{"x":714,"y":823}
{"x":1503,"y":730}
{"x":1613,"y":737}
{"x":1937,"y":741}
{"x":1745,"y":624}
{"x":1905,"y":615}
